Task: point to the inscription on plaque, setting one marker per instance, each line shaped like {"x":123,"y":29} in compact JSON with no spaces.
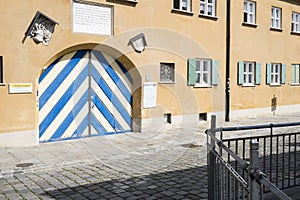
{"x":92,"y":19}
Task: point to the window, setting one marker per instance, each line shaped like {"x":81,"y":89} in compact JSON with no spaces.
{"x":202,"y":72}
{"x":167,"y":72}
{"x":276,"y":18}
{"x":295,"y":22}
{"x":1,"y":70}
{"x":183,"y":5}
{"x":276,"y":73}
{"x":249,"y":12}
{"x":295,"y":74}
{"x":208,"y":7}
{"x":249,"y":73}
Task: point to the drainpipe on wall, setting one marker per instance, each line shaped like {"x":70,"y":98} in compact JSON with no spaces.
{"x":227,"y":90}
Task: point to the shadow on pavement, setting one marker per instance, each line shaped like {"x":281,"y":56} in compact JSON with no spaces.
{"x":181,"y":184}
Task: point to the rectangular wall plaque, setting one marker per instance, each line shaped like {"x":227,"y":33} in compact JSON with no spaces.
{"x":92,"y":18}
{"x":20,"y":88}
{"x":150,"y":94}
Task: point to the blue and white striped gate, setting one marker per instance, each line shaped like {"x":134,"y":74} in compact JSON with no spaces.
{"x":84,"y":93}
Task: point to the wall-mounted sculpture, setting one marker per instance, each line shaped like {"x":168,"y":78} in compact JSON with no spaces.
{"x":41,"y":28}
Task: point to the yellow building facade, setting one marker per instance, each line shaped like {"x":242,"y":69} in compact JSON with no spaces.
{"x":73,"y":69}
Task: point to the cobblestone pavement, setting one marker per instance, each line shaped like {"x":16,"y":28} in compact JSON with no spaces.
{"x":160,"y":165}
{"x":166,"y":174}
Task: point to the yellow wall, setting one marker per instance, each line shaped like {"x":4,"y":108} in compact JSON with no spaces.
{"x":23,"y":62}
{"x":260,"y":44}
{"x":171,"y":37}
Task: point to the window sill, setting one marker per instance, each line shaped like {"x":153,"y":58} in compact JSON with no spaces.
{"x":125,"y":2}
{"x":248,"y":85}
{"x":203,"y":86}
{"x":249,"y":25}
{"x":294,"y":84}
{"x":165,"y":82}
{"x":2,"y":84}
{"x":295,"y":33}
{"x":182,"y":12}
{"x":276,"y":29}
{"x":275,"y":84}
{"x":208,"y":17}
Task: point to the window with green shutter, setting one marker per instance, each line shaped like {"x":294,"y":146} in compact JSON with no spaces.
{"x":215,"y":72}
{"x":257,"y":73}
{"x":276,"y":73}
{"x":203,"y":72}
{"x":249,"y":73}
{"x":283,"y":73}
{"x":191,"y":71}
{"x":240,"y":73}
{"x":295,"y":76}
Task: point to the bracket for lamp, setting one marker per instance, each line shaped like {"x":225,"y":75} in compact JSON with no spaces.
{"x":138,"y":42}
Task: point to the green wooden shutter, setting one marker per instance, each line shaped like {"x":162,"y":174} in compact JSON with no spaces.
{"x":258,"y":73}
{"x":293,"y":69}
{"x":268,"y":79}
{"x":240,"y":73}
{"x":215,"y":72}
{"x":191,"y":71}
{"x":297,"y":73}
{"x":283,"y":73}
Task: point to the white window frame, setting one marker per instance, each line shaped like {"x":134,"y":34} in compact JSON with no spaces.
{"x":249,"y":74}
{"x":205,"y":6}
{"x":249,"y":15}
{"x":295,"y":22}
{"x":276,"y":17}
{"x":275,"y":73}
{"x":183,"y":4}
{"x":201,"y":72}
{"x":296,"y":75}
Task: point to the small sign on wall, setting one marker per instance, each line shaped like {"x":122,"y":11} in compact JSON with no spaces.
{"x":92,"y":18}
{"x":150,"y":90}
{"x":20,"y":88}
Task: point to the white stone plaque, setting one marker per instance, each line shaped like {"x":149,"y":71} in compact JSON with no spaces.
{"x":92,"y":19}
{"x":150,"y":90}
{"x":20,"y":88}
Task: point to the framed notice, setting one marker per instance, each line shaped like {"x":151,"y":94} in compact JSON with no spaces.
{"x":150,"y":90}
{"x":92,"y":18}
{"x":20,"y":88}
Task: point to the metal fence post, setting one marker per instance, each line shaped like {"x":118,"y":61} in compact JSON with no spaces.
{"x":255,"y":187}
{"x":211,"y":158}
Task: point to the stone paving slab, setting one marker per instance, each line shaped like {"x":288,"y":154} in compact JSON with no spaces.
{"x":169,"y":164}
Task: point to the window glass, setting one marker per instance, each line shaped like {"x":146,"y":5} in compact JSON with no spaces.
{"x":184,"y":5}
{"x":207,"y":7}
{"x":249,"y":12}
{"x":176,"y":4}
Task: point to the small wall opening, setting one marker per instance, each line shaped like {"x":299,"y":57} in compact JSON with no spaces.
{"x":168,"y":118}
{"x":202,"y":116}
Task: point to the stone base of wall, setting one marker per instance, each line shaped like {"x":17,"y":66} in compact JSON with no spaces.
{"x":31,"y":137}
{"x":19,"y":139}
{"x":255,"y":112}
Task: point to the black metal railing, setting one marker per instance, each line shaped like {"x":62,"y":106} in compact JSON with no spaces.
{"x":229,"y":160}
{"x":279,"y":150}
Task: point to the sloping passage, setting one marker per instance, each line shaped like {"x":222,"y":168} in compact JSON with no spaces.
{"x":84,"y":93}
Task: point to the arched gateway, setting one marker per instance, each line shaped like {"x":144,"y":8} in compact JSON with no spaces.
{"x":84,"y":93}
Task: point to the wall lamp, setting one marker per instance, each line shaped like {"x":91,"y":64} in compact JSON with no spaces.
{"x":138,"y":42}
